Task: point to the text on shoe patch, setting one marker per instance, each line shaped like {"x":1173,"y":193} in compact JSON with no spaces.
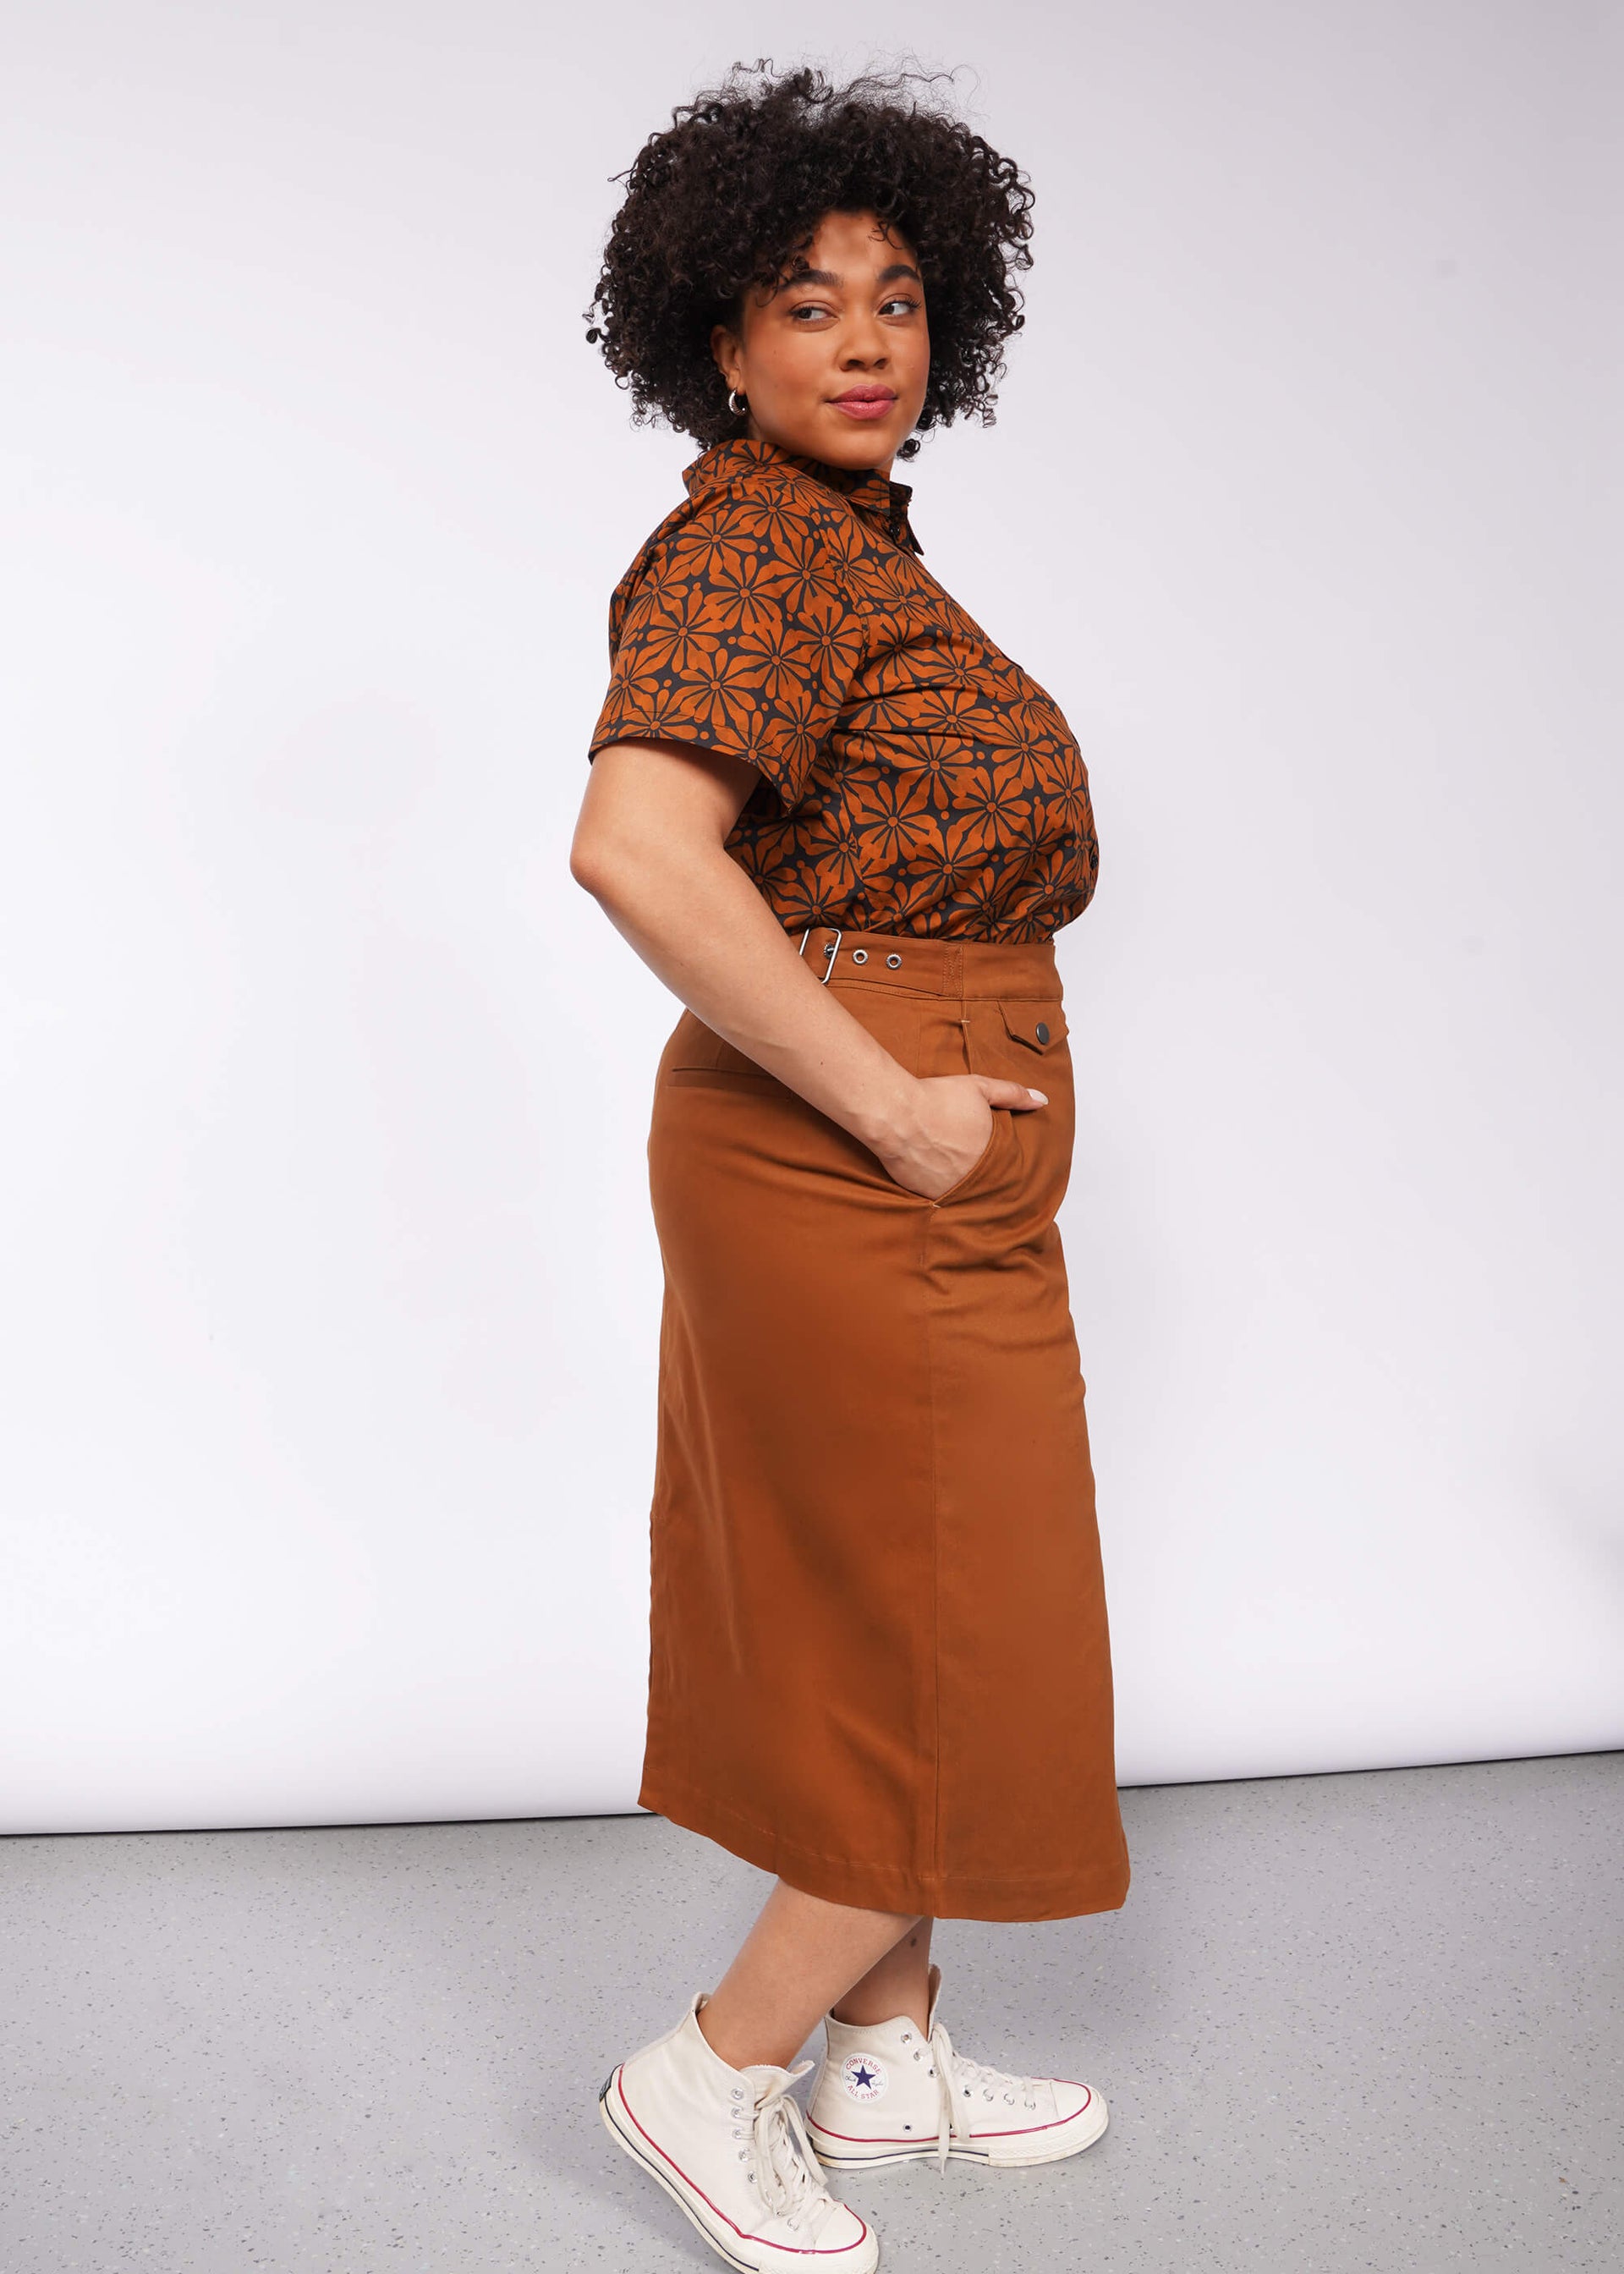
{"x":863,"y":2077}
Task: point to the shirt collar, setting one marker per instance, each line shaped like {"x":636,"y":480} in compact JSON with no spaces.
{"x":880,"y":502}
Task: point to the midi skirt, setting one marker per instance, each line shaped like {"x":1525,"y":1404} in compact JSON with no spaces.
{"x":879,"y":1659}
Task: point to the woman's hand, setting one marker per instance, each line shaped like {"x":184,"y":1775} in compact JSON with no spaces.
{"x":952,"y":1129}
{"x":649,"y":847}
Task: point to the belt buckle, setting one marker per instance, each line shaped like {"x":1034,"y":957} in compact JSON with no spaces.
{"x":830,"y":953}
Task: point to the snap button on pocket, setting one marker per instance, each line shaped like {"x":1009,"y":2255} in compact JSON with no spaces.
{"x":1038,"y":1025}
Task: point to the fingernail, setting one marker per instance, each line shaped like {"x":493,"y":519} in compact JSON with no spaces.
{"x":1039,"y":1095}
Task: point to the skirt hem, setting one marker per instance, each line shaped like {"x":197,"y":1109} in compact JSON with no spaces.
{"x":1011,"y":1898}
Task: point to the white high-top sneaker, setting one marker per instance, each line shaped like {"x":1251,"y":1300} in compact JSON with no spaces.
{"x":885,"y":2094}
{"x":730,"y":2146}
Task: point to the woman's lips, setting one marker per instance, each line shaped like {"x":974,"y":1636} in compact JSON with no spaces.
{"x":865,"y":406}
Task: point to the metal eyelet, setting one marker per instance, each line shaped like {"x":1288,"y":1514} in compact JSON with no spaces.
{"x":893,"y":961}
{"x":859,"y":955}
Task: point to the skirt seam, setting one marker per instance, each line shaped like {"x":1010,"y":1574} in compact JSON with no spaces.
{"x":933,"y":1847}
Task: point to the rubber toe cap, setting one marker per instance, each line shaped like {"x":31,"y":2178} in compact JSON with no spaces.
{"x":845,"y":2244}
{"x":1078,"y":2104}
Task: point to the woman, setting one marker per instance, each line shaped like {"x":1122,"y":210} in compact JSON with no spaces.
{"x":843,"y":827}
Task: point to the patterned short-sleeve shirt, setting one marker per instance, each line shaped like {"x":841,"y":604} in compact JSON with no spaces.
{"x":912,"y":779}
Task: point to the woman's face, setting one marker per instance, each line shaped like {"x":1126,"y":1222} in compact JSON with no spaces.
{"x":834,"y":361}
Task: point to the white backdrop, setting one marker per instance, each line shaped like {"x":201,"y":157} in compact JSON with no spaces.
{"x":330,"y":1288}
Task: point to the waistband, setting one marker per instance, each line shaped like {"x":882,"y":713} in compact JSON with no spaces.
{"x":962,"y":967}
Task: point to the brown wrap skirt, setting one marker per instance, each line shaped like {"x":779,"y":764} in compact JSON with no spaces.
{"x":879,"y":1661}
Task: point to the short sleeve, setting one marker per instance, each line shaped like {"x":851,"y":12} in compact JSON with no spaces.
{"x":739,"y":633}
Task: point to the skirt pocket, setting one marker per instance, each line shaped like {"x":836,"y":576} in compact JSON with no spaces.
{"x":723,"y":1078}
{"x":1002,"y":1117}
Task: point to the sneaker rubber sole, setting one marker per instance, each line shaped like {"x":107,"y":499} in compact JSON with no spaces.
{"x":1069,"y":2138}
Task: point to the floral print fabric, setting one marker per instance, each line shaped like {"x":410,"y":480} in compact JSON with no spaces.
{"x":912,"y":779}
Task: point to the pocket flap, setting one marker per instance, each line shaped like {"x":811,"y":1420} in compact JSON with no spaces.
{"x":1038,"y":1024}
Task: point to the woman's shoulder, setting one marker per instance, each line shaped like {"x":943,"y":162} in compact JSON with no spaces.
{"x":754,"y":491}
{"x":748,"y":500}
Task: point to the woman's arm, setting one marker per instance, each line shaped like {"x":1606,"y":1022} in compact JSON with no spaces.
{"x":648,"y":848}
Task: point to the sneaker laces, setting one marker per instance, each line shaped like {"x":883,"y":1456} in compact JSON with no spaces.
{"x":957,"y":2075}
{"x":787,"y":2175}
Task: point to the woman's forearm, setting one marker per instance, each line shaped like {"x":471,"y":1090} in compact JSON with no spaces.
{"x":696,"y":920}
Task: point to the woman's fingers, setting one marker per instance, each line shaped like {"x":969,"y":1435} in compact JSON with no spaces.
{"x":1014,"y":1095}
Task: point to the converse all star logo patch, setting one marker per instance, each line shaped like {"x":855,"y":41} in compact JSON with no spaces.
{"x":863,"y":2077}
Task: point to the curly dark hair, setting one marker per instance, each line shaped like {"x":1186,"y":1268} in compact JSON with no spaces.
{"x":730,"y":195}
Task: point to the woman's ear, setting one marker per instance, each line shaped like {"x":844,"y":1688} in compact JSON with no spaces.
{"x":729,"y":358}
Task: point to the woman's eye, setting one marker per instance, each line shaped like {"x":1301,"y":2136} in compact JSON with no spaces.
{"x":902,"y":301}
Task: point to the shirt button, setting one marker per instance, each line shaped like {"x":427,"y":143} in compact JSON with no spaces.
{"x":1043,"y":1032}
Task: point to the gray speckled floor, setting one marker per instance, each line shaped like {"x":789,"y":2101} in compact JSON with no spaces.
{"x":1343,"y":2022}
